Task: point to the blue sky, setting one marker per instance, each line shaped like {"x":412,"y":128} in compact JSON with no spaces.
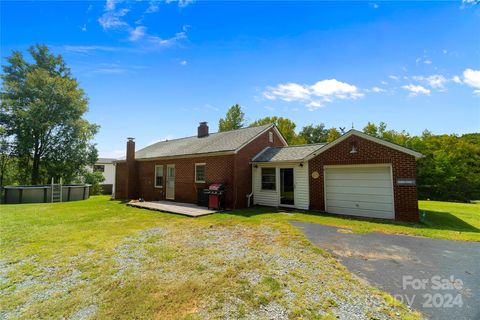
{"x":154,"y":69}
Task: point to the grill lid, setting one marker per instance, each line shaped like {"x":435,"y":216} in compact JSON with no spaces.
{"x":216,"y":186}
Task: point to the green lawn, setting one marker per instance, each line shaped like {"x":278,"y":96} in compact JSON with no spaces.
{"x":101,"y":259}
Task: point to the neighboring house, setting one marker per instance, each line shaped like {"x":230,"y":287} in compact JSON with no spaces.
{"x":354,"y":175}
{"x":107,"y":167}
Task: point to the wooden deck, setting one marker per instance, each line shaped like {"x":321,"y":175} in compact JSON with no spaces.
{"x":186,"y":209}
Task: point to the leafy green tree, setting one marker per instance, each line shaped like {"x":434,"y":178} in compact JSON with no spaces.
{"x":333,"y":134}
{"x":285,"y":126}
{"x":94,"y":178}
{"x":234,"y":119}
{"x":314,"y":134}
{"x":41,"y":109}
{"x":7,"y":158}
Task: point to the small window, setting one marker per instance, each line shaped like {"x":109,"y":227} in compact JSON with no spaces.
{"x":270,"y":136}
{"x":200,"y":172}
{"x":158,"y":176}
{"x":268,"y":179}
{"x":99,"y":168}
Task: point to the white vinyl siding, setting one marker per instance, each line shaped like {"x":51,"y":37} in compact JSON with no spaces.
{"x":365,"y":191}
{"x":272,"y":197}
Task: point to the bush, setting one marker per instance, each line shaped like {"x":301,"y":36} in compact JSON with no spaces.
{"x":94,"y":178}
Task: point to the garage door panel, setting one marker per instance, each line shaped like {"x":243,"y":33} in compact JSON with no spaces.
{"x":360,"y":183}
{"x":385,"y":207}
{"x":356,"y":176}
{"x":359,"y":197}
{"x":360,"y":190}
{"x":361,"y":213}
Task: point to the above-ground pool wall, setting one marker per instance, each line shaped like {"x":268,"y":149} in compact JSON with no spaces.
{"x":40,"y":194}
{"x":74,"y":193}
{"x":28,"y":195}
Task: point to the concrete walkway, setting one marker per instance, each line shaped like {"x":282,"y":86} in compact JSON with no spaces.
{"x":186,"y":209}
{"x":440,"y":278}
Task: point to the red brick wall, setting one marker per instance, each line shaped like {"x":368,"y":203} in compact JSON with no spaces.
{"x":218,"y":169}
{"x":243,"y":168}
{"x":121,"y":180}
{"x":403,"y":166}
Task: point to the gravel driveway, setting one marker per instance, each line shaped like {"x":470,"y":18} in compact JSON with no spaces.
{"x":440,"y":278}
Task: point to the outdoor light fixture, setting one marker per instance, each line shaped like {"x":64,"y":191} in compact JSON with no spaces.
{"x":301,"y":164}
{"x":256,"y":166}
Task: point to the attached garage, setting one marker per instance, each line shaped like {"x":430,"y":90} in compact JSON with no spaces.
{"x":355,"y":175}
{"x":359,"y":190}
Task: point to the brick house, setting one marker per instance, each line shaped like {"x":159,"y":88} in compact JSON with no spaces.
{"x":180,"y":169}
{"x":356,"y":174}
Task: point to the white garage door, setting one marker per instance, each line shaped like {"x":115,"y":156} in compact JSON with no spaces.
{"x":359,"y":191}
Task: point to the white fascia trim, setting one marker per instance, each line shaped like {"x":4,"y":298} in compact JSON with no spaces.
{"x":366,"y":137}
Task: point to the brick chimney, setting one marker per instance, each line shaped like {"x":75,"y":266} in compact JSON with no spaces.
{"x":202,"y":130}
{"x":131,"y":170}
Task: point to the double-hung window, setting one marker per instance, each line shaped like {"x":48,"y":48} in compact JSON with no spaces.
{"x":159,"y":176}
{"x":200,"y":172}
{"x":268,"y":179}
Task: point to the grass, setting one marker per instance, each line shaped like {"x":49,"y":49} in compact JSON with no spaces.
{"x":443,"y":220}
{"x":62,"y":259}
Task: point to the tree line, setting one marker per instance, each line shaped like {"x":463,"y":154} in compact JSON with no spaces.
{"x":449,"y":171}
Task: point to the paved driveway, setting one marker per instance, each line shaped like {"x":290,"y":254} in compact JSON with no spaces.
{"x":439,"y":278}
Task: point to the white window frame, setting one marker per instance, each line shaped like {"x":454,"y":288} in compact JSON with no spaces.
{"x":270,"y":136}
{"x":204,"y":173}
{"x":274,"y":182}
{"x":155,"y":176}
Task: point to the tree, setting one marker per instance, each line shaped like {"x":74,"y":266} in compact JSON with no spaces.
{"x":314,"y":134}
{"x":42,"y":108}
{"x":6,"y":158}
{"x":234,"y":119}
{"x":285,"y":126}
{"x":333,"y":134}
{"x":94,"y":178}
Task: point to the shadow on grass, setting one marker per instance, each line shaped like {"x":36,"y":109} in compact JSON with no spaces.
{"x":437,"y":220}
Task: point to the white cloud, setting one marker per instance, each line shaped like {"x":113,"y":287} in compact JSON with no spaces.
{"x":472,"y":78}
{"x":374,"y":5}
{"x":393,"y":77}
{"x":427,"y":61}
{"x":111,"y":18}
{"x":270,"y":108}
{"x":167,"y":42}
{"x":87,"y":49}
{"x":287,"y":92}
{"x":137,"y":33}
{"x":84,"y":27}
{"x":416,"y":90}
{"x":152,"y":7}
{"x":457,"y":79}
{"x":183,"y":62}
{"x":377,"y":90}
{"x":210,"y":107}
{"x":314,"y":96}
{"x":181,"y":3}
{"x":384,"y":82}
{"x":436,"y":81}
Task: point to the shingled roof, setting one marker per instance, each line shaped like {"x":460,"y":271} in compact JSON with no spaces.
{"x":287,"y":154}
{"x":214,"y":142}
